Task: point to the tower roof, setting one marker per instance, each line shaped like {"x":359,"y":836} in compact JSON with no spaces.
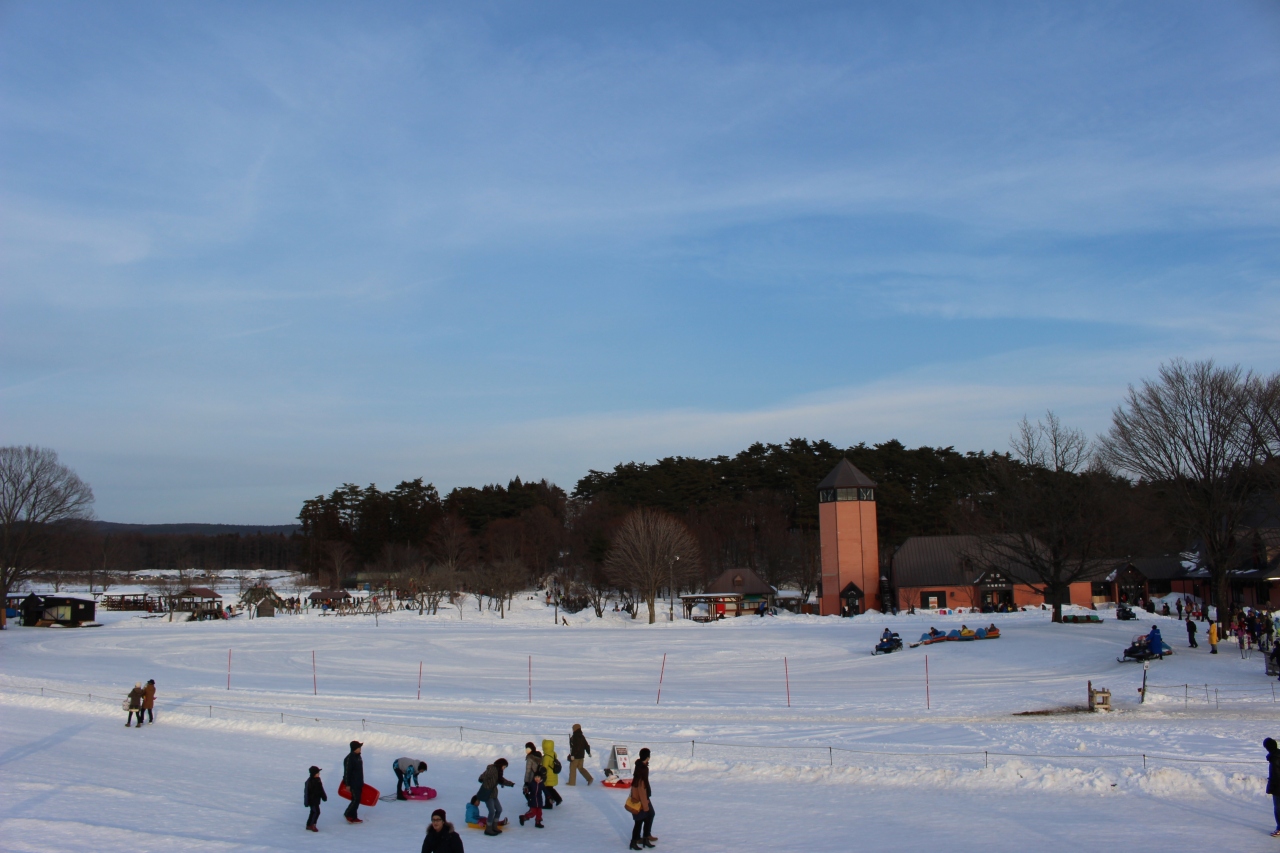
{"x":845,"y":476}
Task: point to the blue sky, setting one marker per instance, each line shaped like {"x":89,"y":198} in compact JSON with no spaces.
{"x":251,"y":251}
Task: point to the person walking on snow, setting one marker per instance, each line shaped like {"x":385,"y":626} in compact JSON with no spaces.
{"x":441,"y":837}
{"x":533,"y":795}
{"x":1213,"y":638}
{"x":135,"y":704}
{"x":532,"y":761}
{"x":1273,"y":779}
{"x":551,"y":764}
{"x":490,"y":781}
{"x":578,"y":748}
{"x":149,"y":701}
{"x":353,"y":775}
{"x":312,"y":796}
{"x":407,"y":770}
{"x":642,"y":830}
{"x":1191,"y":633}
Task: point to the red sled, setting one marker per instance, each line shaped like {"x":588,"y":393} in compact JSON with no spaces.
{"x":417,"y":793}
{"x":368,"y":796}
{"x":615,"y":782}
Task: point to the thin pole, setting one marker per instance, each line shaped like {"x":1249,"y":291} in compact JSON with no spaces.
{"x":927,"y":704}
{"x":228,"y":669}
{"x":661,"y":673}
{"x":786,"y":671}
{"x":419,"y":679}
{"x":530,"y":679}
{"x":315,"y":690}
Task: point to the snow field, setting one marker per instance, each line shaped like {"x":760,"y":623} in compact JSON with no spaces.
{"x":231,"y":782}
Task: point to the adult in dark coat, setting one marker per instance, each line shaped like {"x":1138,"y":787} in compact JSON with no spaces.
{"x":312,"y":796}
{"x":578,"y":750}
{"x":441,"y":837}
{"x":1191,"y":633}
{"x":1273,"y":779}
{"x":490,"y":781}
{"x":353,"y":775}
{"x":642,"y":831}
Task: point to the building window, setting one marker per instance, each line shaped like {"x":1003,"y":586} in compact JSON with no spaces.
{"x":866,"y":494}
{"x":826,"y":496}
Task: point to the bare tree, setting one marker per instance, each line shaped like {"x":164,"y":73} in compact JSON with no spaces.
{"x":1191,"y":430}
{"x":652,"y":550}
{"x":1049,"y":444}
{"x":37,"y":492}
{"x":340,"y":556}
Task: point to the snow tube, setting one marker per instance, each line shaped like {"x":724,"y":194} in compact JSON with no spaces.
{"x":416,"y":793}
{"x":953,"y":634}
{"x":968,"y":635}
{"x":368,"y":796}
{"x":617,"y":783}
{"x":993,"y":634}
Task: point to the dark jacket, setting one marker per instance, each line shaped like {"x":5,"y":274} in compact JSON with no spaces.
{"x":135,"y":698}
{"x":492,"y":777}
{"x":640,"y":776}
{"x":313,"y":794}
{"x":444,"y":841}
{"x":353,"y":769}
{"x":149,"y":697}
{"x":578,"y":746}
{"x":1273,"y":774}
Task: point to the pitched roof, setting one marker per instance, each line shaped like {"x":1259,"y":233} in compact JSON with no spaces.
{"x":199,"y":592}
{"x":935,"y":561}
{"x":845,"y":476}
{"x":743,"y":581}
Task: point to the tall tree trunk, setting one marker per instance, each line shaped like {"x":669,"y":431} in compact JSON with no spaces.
{"x":653,"y":616}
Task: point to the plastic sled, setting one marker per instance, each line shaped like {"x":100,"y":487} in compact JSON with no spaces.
{"x":484,"y":822}
{"x":368,"y":796}
{"x":616,"y":782}
{"x":423,"y":793}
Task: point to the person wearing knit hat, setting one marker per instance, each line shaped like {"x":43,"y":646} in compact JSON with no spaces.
{"x":579,"y":749}
{"x":134,"y":704}
{"x":642,"y":831}
{"x":312,"y":796}
{"x":441,"y":837}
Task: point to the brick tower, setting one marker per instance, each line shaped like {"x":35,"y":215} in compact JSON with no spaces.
{"x":850,"y":545}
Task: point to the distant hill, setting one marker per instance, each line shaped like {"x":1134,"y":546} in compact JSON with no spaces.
{"x":196,"y":529}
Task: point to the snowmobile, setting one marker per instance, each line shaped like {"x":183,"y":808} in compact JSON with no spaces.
{"x":1124,"y":613}
{"x":893,"y":644}
{"x":1140,"y":650}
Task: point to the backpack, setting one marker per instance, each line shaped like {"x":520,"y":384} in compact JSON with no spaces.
{"x":555,"y":765}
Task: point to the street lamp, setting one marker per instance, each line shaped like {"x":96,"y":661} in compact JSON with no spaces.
{"x":671,"y":588}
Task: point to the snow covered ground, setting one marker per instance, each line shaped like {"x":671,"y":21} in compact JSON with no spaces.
{"x":857,"y":761}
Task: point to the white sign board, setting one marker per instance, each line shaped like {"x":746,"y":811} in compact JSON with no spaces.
{"x":620,"y":761}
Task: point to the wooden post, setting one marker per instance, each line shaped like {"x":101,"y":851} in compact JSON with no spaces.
{"x":787,"y":674}
{"x":927,"y":704}
{"x":530,"y":679}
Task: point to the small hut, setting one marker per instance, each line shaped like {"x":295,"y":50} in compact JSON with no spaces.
{"x":261,"y":600}
{"x":329,"y":597}
{"x":65,"y":610}
{"x":733,"y":593}
{"x":200,"y":601}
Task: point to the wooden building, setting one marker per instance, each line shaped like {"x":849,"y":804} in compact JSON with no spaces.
{"x":945,"y":572}
{"x":734,"y":593}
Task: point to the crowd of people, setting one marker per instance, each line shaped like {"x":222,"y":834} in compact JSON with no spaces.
{"x":542,"y":768}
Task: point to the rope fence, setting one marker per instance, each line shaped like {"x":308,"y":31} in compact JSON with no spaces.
{"x":801,"y":755}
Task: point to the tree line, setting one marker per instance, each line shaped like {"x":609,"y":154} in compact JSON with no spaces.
{"x":1187,"y":455}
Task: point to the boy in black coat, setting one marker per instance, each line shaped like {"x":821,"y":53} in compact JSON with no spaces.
{"x":312,"y":796}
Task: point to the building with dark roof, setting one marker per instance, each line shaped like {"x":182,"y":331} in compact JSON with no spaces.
{"x":850,"y":580}
{"x":943,"y":572}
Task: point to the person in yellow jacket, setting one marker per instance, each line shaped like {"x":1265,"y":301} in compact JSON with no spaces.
{"x":549,"y":761}
{"x":1213,"y":638}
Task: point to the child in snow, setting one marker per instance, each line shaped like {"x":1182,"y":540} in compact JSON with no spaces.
{"x":474,"y":819}
{"x":533,"y":793}
{"x":407,"y":770}
{"x":1273,"y":779}
{"x":312,"y":796}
